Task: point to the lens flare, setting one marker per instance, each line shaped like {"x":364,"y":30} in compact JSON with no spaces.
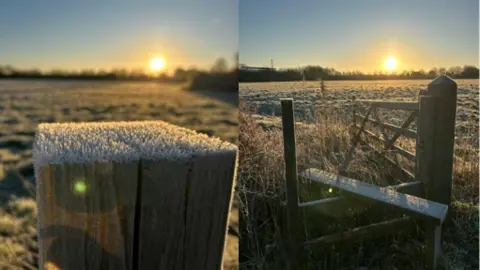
{"x":80,"y":186}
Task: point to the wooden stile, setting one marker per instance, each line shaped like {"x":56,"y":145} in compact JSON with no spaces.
{"x":431,"y":183}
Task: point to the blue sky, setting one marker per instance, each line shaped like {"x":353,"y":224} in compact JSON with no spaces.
{"x":72,"y":35}
{"x":359,"y":35}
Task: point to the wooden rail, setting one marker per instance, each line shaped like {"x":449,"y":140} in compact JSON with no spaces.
{"x":394,"y":105}
{"x":110,"y":198}
{"x":410,"y":156}
{"x":424,"y":209}
{"x":371,"y":231}
{"x":405,"y":124}
{"x":338,"y":206}
{"x":402,"y":131}
{"x":409,"y":175}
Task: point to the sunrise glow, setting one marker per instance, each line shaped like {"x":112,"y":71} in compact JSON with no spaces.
{"x":390,"y":64}
{"x":157,"y":64}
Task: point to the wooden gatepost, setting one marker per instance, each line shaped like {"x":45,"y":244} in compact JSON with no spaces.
{"x":132,"y":195}
{"x":426,"y":195}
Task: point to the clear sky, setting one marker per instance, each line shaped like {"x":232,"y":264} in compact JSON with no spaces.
{"x":81,"y":34}
{"x":359,"y":34}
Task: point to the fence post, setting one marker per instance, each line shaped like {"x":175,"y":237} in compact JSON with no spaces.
{"x":424,"y":171}
{"x":425,"y":142}
{"x":444,"y":89}
{"x":291,"y":187}
{"x":131,"y":195}
{"x":435,"y":146}
{"x":354,"y":111}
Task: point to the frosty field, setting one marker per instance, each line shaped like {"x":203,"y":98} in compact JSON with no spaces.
{"x":337,"y":100}
{"x":24,"y":104}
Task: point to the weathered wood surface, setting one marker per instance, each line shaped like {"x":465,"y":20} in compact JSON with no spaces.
{"x":444,"y":89}
{"x":427,"y":210}
{"x":341,"y":206}
{"x":425,"y":143}
{"x":434,"y":245}
{"x":85,"y":216}
{"x":208,"y":204}
{"x":293,"y":223}
{"x":394,"y":105}
{"x":162,"y":214}
{"x":147,"y":215}
{"x":402,"y":131}
{"x":359,"y":234}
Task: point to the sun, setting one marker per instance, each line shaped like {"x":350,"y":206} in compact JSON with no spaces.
{"x":157,"y":63}
{"x":391,"y":63}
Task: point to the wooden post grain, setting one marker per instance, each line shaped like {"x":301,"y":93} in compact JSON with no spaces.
{"x":425,"y":142}
{"x":424,"y":169}
{"x":444,"y":89}
{"x":83,"y":217}
{"x":291,"y":178}
{"x":148,"y":203}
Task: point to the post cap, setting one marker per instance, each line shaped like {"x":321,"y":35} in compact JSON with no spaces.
{"x":443,"y":79}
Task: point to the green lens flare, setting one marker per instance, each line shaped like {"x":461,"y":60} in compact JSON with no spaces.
{"x":330,"y":190}
{"x":80,"y":186}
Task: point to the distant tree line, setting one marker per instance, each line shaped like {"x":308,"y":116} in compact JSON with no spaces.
{"x":325,"y":73}
{"x":219,"y":68}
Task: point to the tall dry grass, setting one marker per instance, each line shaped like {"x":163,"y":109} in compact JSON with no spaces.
{"x":323,"y":145}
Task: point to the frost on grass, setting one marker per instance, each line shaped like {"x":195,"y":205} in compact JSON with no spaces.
{"x":58,"y":143}
{"x":23,"y":207}
{"x":8,"y":225}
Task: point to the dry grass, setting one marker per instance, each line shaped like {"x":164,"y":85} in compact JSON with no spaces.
{"x":323,"y":145}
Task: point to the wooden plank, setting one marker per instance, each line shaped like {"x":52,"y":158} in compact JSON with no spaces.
{"x":161,"y":243}
{"x":359,"y":234}
{"x":393,"y":105}
{"x":342,"y":206}
{"x":425,"y":143}
{"x":350,"y":152}
{"x":407,"y":173}
{"x":402,"y":131}
{"x":336,"y":207}
{"x":85,"y":221}
{"x":404,"y":125}
{"x":428,"y":210}
{"x":208,"y":202}
{"x":293,"y":224}
{"x":410,"y":156}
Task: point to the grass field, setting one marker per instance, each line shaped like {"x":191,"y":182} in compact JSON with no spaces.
{"x":322,"y":139}
{"x":24,"y":104}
